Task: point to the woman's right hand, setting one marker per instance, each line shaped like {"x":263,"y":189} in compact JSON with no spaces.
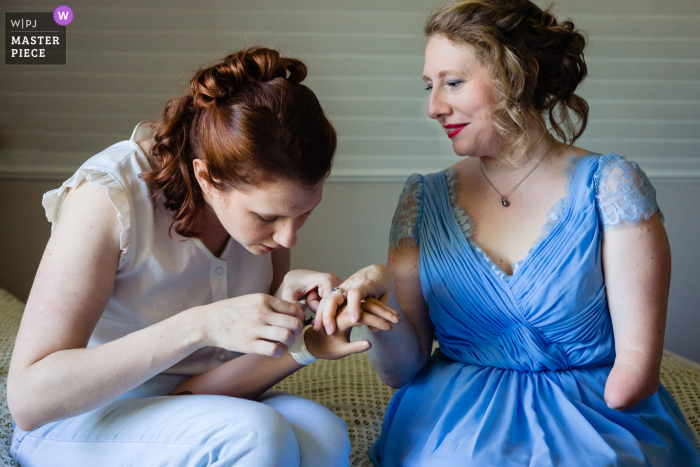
{"x":374,"y":281}
{"x":374,"y":314}
{"x":256,"y":323}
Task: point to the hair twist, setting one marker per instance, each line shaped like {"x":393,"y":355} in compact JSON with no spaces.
{"x":221,"y":82}
{"x":251,"y":120}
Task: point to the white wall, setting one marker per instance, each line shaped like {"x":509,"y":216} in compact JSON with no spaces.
{"x":127,"y":57}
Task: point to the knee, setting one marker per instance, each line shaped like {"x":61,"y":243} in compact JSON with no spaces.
{"x":324,"y":441}
{"x":273,"y":436}
{"x":337,"y":439}
{"x":268,"y":439}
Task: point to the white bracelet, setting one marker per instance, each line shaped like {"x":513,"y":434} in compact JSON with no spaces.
{"x":299,"y":351}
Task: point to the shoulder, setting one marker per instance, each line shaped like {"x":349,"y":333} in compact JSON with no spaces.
{"x":615,"y":174}
{"x":624,"y":193}
{"x":114,"y":176}
{"x":405,"y":224}
{"x":417,"y":185}
{"x":123,"y":159}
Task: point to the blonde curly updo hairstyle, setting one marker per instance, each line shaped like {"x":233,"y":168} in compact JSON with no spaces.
{"x":535,"y":63}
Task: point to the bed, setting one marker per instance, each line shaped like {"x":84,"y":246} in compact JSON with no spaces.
{"x":349,"y":387}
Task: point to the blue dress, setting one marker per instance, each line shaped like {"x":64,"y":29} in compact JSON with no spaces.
{"x":520,"y":374}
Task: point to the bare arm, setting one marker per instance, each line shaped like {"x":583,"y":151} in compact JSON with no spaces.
{"x":53,"y":376}
{"x":399,"y":355}
{"x":637,"y":267}
{"x":249,"y":376}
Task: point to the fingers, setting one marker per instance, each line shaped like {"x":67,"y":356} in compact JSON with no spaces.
{"x":300,"y":283}
{"x":291,"y":294}
{"x":368,"y":319}
{"x":375,"y":307}
{"x":313,"y":300}
{"x":275,"y":334}
{"x":272,"y":349}
{"x":282,"y":306}
{"x":355,"y":347}
{"x":281,"y":321}
{"x":325,"y":315}
{"x":375,"y":314}
{"x":360,"y":292}
{"x":326,"y":284}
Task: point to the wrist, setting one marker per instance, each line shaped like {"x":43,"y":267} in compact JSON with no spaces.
{"x":300,"y":351}
{"x":194,"y":324}
{"x":382,"y":277}
{"x":313,"y":342}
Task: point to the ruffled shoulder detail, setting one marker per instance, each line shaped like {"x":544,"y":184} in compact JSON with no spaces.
{"x":406,"y":223}
{"x":53,"y":201}
{"x":624,"y":194}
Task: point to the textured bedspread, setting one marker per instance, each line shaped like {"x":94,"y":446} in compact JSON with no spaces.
{"x":349,"y":387}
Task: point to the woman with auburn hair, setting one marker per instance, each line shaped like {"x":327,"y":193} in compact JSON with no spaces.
{"x":168,"y":260}
{"x":542,"y":268}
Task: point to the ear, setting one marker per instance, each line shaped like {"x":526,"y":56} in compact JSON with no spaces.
{"x":201,"y":169}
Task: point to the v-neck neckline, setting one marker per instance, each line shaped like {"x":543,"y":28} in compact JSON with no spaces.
{"x":539,"y":241}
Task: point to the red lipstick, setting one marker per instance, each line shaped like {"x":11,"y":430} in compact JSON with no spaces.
{"x":267,"y":248}
{"x":453,"y":129}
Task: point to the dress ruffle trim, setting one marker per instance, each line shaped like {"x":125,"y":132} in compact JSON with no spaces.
{"x":468,"y":225}
{"x":53,"y":201}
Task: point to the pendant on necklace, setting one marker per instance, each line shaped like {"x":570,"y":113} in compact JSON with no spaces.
{"x":505,"y":202}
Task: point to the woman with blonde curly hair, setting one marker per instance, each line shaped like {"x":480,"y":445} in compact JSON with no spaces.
{"x":542,"y":268}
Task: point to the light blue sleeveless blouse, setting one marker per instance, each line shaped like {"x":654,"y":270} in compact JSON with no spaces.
{"x":520,"y":374}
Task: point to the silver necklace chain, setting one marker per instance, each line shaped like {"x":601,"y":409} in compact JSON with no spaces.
{"x":504,"y":197}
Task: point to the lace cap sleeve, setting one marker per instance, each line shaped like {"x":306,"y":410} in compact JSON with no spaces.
{"x":406,"y":222}
{"x":625,"y":195}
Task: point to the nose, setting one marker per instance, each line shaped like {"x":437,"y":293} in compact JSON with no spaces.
{"x":286,"y":234}
{"x":437,"y":105}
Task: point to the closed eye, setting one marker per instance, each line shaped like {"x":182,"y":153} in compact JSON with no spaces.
{"x":266,"y":220}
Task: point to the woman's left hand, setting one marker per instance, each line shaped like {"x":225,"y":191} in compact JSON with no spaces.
{"x":371,"y":282}
{"x":337,"y":345}
{"x":303,"y":284}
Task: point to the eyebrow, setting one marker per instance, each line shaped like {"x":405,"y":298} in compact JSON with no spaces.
{"x":448,"y":72}
{"x":263,"y":214}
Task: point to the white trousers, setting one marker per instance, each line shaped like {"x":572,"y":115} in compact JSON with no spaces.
{"x":145,"y":429}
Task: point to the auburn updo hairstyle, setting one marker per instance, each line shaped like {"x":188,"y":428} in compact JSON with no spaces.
{"x":535,"y":63}
{"x":251,"y":120}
